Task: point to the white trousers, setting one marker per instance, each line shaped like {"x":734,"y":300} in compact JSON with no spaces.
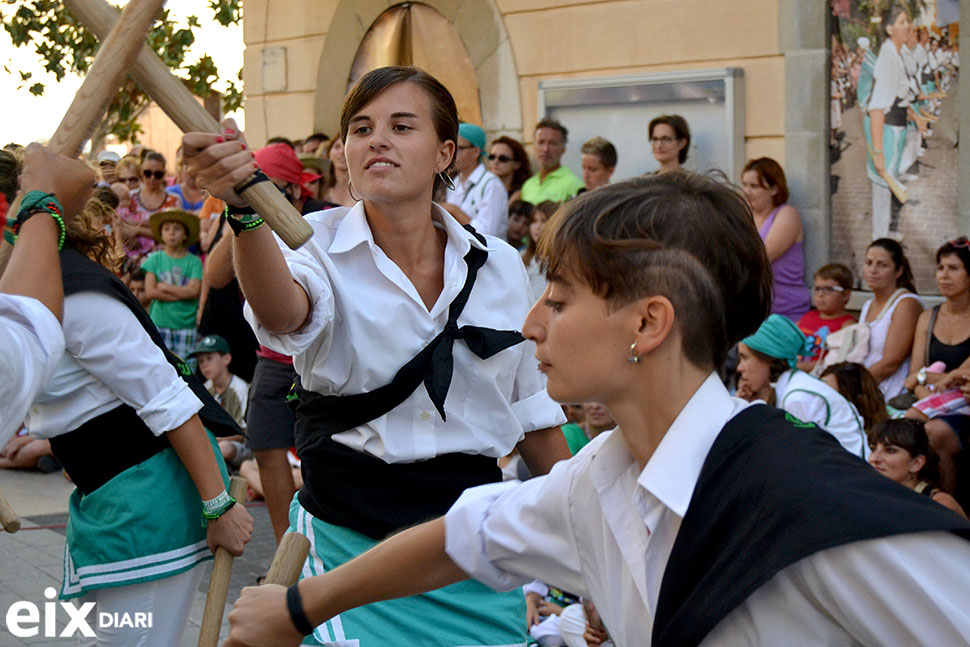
{"x":169,"y":600}
{"x":882,"y":204}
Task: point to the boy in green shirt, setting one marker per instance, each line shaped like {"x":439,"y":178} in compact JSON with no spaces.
{"x":173,"y":279}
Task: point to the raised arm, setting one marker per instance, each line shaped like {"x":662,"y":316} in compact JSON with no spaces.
{"x":219,"y":163}
{"x":34,"y":269}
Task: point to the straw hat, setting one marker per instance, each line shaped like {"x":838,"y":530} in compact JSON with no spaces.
{"x":187,"y":218}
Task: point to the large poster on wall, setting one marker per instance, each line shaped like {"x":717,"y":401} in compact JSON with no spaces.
{"x":894,"y":136}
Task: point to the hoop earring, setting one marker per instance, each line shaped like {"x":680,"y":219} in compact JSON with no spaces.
{"x":350,"y":190}
{"x":449,"y":182}
{"x":633,"y":358}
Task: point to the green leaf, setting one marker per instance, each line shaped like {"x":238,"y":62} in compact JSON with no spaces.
{"x":37,"y":89}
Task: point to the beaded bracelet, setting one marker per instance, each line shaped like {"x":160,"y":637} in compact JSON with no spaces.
{"x":240,"y":222}
{"x":39,"y":202}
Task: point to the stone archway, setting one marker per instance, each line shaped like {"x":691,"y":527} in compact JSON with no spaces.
{"x":482,"y":30}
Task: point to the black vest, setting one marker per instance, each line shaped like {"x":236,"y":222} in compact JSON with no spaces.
{"x":108,"y":444}
{"x":774,"y":490}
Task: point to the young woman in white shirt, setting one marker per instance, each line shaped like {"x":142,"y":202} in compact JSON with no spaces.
{"x":375,"y":285}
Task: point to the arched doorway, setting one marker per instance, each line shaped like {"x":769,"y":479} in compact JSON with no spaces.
{"x":481,"y":30}
{"x":415,"y":34}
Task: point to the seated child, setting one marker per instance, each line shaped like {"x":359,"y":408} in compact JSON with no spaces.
{"x":231,"y":391}
{"x":830,"y":294}
{"x":173,"y":279}
{"x":700,"y":519}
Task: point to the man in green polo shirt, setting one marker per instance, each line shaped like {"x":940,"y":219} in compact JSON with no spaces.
{"x":553,"y":181}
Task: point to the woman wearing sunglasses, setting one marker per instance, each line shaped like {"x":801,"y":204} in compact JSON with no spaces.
{"x":943,"y":335}
{"x":508,"y":160}
{"x":145,"y":199}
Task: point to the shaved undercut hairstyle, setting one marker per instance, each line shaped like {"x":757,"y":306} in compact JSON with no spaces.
{"x":688,"y":237}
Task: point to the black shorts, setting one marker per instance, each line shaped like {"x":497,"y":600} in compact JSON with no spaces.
{"x":269,"y":420}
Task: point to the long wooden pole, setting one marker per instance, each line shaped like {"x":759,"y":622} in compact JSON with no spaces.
{"x":183,"y":108}
{"x":215,"y":599}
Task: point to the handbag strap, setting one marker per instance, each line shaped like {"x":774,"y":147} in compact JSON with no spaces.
{"x":929,"y":334}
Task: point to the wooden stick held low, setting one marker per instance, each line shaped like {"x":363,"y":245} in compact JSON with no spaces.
{"x":9,"y":519}
{"x":288,"y":561}
{"x":215,"y":599}
{"x":181,"y":106}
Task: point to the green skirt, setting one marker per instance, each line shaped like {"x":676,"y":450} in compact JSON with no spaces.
{"x":466,"y":614}
{"x":144,"y":524}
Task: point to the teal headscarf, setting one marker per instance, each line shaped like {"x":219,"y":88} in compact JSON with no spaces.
{"x":475,"y":136}
{"x":778,"y":337}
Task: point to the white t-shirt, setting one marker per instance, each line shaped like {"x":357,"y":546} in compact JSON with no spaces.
{"x":811,"y":400}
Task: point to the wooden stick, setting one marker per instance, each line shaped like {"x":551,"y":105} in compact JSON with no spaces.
{"x":115,"y":56}
{"x":120,"y":46}
{"x":215,"y":599}
{"x":9,"y":518}
{"x":898,"y":189}
{"x":288,"y":561}
{"x":183,"y":108}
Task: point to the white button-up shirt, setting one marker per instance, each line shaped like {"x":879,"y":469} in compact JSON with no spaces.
{"x":889,"y":79}
{"x":600,"y":527}
{"x":367,"y":321}
{"x":32,"y":344}
{"x":484,"y":198}
{"x":110,"y":360}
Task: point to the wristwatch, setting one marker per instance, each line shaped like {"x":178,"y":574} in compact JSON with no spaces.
{"x":921,"y":377}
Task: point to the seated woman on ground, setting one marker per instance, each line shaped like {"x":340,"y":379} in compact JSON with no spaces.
{"x":943,"y":335}
{"x":858,"y":386}
{"x":901,"y":451}
{"x":766,"y":371}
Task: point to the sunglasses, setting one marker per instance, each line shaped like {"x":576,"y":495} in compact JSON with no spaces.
{"x":129,"y":180}
{"x":501,"y":158}
{"x":662,"y":140}
{"x":158,"y":174}
{"x":828,"y":289}
{"x":960,"y":242}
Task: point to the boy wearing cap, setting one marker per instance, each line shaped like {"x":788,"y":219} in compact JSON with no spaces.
{"x":479,"y":197}
{"x":173,"y":279}
{"x":231,"y":391}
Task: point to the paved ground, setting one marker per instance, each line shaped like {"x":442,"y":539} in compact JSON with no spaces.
{"x":32,"y":559}
{"x":927,"y":220}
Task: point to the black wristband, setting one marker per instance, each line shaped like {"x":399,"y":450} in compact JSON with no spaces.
{"x":294,"y":604}
{"x":233,"y":210}
{"x":255,"y":178}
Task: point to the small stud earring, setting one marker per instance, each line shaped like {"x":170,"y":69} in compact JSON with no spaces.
{"x":633,"y":358}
